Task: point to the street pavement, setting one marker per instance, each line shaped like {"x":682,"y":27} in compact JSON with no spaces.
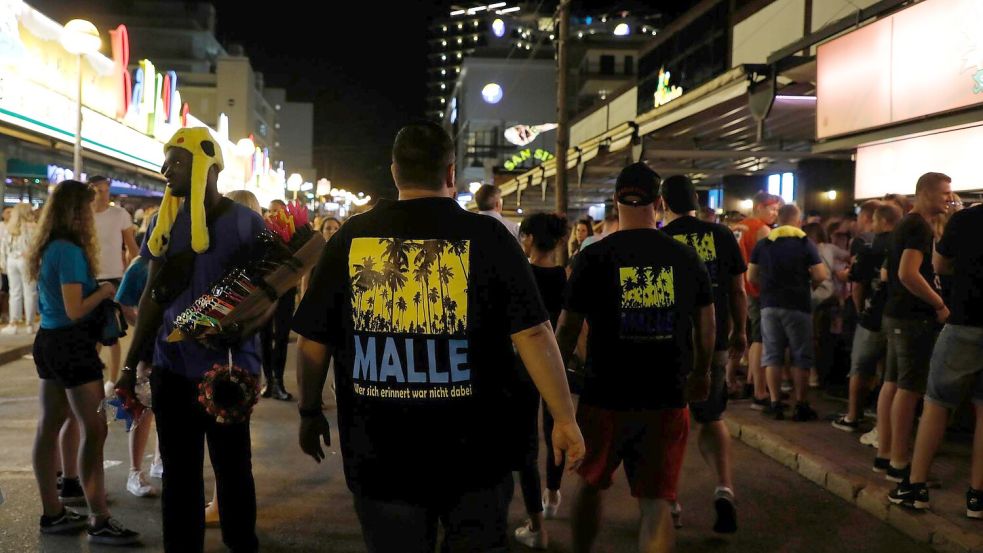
{"x":305,"y":507}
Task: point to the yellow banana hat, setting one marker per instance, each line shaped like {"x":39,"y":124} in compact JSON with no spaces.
{"x":205,"y":152}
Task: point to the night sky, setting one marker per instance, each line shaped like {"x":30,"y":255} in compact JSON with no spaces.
{"x":363,"y":64}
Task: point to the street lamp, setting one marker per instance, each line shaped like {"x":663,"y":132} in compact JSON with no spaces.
{"x":293,"y":183}
{"x":323,"y":187}
{"x":79,"y":37}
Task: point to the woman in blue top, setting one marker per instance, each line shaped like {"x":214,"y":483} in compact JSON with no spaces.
{"x":63,"y":262}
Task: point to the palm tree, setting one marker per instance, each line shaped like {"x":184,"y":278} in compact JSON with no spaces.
{"x":422,"y":275}
{"x":643,"y":283}
{"x":394,"y":279}
{"x":401,"y":305}
{"x":397,"y":252}
{"x":433,"y":296}
{"x":416,"y":301}
{"x":460,"y":248}
{"x":444,"y":275}
{"x":365,"y":278}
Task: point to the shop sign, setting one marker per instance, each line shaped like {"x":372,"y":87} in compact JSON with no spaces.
{"x":526,"y":154}
{"x":664,"y":92}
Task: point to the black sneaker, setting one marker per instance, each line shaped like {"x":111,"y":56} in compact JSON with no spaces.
{"x":726,"y":512}
{"x":71,"y":492}
{"x":111,"y":532}
{"x":974,"y":503}
{"x":760,"y":404}
{"x":881,"y":464}
{"x":68,"y":521}
{"x":898,"y":475}
{"x":913,"y":496}
{"x":776,"y":410}
{"x":845,"y":425}
{"x":804,"y":413}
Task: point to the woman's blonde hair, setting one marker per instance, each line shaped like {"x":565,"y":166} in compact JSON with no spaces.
{"x":245,"y":198}
{"x":22,"y":213}
{"x":67,"y":215}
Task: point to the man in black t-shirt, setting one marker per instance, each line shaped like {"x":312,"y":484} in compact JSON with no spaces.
{"x":420,"y":302}
{"x":718,"y":249}
{"x":957,"y":361}
{"x":642,"y":294}
{"x":912,"y":316}
{"x":869,"y":296}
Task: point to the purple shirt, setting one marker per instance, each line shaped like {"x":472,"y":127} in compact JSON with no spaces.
{"x":230,"y":236}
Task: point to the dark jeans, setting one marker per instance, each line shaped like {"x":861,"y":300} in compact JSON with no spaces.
{"x":275,"y":336}
{"x":474,"y":522}
{"x":554,"y":473}
{"x":182,"y":428}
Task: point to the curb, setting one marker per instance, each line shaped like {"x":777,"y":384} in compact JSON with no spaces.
{"x":924,"y":527}
{"x":13,"y":354}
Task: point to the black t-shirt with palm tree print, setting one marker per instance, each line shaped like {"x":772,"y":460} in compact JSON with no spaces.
{"x":419,"y":298}
{"x":640,"y":291}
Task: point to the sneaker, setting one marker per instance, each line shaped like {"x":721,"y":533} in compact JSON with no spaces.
{"x":138,"y":485}
{"x":677,"y":515}
{"x":9,"y":330}
{"x":974,"y":503}
{"x":913,"y":496}
{"x":760,"y":404}
{"x":71,"y":492}
{"x":870,"y":439}
{"x":776,"y":410}
{"x":881,"y":464}
{"x":111,"y":532}
{"x":898,"y":475}
{"x":550,"y":509}
{"x":67,"y":521}
{"x":804,"y":413}
{"x":157,"y":469}
{"x":726,"y":511}
{"x":533,"y":540}
{"x":845,"y":425}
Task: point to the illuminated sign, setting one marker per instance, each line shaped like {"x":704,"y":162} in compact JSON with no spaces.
{"x":526,"y":154}
{"x":664,"y":92}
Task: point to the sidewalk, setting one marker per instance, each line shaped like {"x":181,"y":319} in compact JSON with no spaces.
{"x":15,"y":347}
{"x":838,"y":462}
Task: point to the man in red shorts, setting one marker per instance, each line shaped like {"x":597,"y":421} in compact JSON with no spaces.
{"x":643,"y":294}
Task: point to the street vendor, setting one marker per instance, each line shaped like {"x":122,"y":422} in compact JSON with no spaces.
{"x":196,"y":237}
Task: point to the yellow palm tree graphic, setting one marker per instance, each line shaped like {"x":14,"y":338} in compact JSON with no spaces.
{"x":646,"y":287}
{"x":704,"y":245}
{"x":410,"y":272}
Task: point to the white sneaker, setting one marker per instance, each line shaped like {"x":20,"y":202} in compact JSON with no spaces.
{"x":870,"y":439}
{"x":9,"y":330}
{"x":550,"y":509}
{"x":530,"y":539}
{"x":30,"y":329}
{"x":138,"y":485}
{"x":157,"y":469}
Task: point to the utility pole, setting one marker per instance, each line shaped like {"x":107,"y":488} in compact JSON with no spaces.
{"x":563,"y":127}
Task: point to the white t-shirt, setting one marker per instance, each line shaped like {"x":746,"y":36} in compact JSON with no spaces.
{"x":110,"y":225}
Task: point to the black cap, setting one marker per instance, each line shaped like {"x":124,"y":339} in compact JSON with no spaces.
{"x":637,"y":185}
{"x":679,"y":194}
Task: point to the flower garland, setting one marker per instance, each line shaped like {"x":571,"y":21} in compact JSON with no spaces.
{"x":228,"y":393}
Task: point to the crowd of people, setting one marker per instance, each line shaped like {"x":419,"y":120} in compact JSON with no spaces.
{"x":449,"y":331}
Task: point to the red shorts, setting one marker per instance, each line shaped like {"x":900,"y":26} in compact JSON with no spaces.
{"x":651,"y":443}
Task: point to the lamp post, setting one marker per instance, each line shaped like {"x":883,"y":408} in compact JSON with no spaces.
{"x":294,"y":181}
{"x":79,"y":37}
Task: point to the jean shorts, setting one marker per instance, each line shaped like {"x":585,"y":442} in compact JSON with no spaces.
{"x":909,"y":350}
{"x":786,"y":328}
{"x":957,"y":366}
{"x":869,"y":347}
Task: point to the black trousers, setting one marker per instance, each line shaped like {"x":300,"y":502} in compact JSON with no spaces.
{"x":275,"y":336}
{"x":183,"y":426}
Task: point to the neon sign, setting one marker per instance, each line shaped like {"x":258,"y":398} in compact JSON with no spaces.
{"x":151,"y":98}
{"x":664,"y":92}
{"x":523,"y":155}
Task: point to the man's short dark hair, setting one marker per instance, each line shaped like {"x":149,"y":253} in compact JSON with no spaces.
{"x":487,"y":197}
{"x":930,"y":180}
{"x":97,"y":179}
{"x":789,"y":214}
{"x":889,"y":212}
{"x":869,"y":207}
{"x":421,"y":154}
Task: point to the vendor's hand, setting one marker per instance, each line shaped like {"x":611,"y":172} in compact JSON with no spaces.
{"x":312,"y":431}
{"x":737,"y":346}
{"x":697,"y":387}
{"x":942,"y":314}
{"x":107,"y":289}
{"x":568,"y":442}
{"x":126,"y":392}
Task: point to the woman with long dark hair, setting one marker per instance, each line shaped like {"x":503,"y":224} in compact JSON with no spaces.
{"x":63,"y":261}
{"x":539,"y":234}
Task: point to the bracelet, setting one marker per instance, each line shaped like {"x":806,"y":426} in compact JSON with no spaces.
{"x":310,"y":413}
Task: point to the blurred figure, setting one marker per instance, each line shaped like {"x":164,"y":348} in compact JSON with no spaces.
{"x":610,"y":226}
{"x":489,"y":201}
{"x":813,"y":216}
{"x":329,"y":226}
{"x":582,"y":229}
{"x":15,"y":246}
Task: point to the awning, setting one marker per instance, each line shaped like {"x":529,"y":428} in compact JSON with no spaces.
{"x":26,"y":169}
{"x":134,"y":192}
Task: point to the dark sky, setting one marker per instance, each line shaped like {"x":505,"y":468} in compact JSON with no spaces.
{"x":362,"y":63}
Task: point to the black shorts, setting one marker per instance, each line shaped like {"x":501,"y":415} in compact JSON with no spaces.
{"x":710,"y":409}
{"x":754,"y":320}
{"x":68,"y":356}
{"x":115,"y":282}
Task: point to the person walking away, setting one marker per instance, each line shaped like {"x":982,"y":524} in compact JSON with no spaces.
{"x":718,"y":249}
{"x":428,"y":377}
{"x":912,"y":316}
{"x":786,"y":266}
{"x":489,"y":201}
{"x":648,"y":302}
{"x":115,"y":231}
{"x":15,"y":246}
{"x":64,"y":263}
{"x":275,"y":336}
